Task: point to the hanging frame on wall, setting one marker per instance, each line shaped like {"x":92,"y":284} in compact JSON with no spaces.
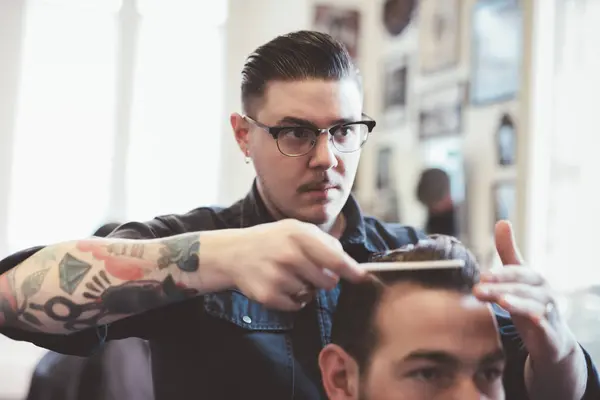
{"x":341,"y":23}
{"x":395,"y":91}
{"x":441,"y":111}
{"x":439,"y":34}
{"x":496,"y":43}
{"x":506,"y":141}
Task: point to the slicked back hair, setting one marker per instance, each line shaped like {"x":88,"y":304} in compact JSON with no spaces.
{"x":295,"y":56}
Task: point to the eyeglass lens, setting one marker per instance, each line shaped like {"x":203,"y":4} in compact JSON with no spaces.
{"x":300,"y":140}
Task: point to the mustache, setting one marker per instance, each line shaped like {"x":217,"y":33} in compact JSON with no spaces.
{"x":317,"y":185}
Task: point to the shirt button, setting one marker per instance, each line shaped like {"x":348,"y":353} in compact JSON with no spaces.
{"x":246,"y":319}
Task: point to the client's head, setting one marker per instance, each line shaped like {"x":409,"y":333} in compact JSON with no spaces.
{"x":417,"y":334}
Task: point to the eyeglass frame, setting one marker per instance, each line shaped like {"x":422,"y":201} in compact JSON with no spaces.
{"x":274,"y":131}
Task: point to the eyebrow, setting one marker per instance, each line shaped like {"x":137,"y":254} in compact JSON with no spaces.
{"x":305,"y":122}
{"x":443,"y":357}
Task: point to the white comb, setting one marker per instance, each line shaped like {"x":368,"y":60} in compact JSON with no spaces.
{"x":412,"y":265}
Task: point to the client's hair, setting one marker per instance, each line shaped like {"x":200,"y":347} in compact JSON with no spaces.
{"x":353,"y":322}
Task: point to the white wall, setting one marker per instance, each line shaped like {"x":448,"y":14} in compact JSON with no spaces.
{"x":250,"y":24}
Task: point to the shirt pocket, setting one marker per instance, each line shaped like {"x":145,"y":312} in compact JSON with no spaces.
{"x":236,"y":308}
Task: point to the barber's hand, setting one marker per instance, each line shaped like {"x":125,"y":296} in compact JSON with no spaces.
{"x":532,"y":304}
{"x":281,"y":264}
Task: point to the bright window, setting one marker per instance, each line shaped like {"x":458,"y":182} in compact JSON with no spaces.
{"x":178,"y":99}
{"x":573,"y":216}
{"x":65,"y":124}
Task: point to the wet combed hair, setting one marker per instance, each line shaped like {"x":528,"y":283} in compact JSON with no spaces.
{"x":354,"y":326}
{"x":295,"y":56}
{"x":433,"y":185}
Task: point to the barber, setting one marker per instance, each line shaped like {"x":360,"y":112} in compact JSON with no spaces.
{"x":237,"y":302}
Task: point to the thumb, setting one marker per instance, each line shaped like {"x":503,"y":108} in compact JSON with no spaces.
{"x":506,"y":244}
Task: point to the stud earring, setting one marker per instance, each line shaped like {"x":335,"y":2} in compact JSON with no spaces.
{"x":247,"y":159}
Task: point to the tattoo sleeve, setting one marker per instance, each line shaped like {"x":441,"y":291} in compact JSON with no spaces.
{"x":77,"y":285}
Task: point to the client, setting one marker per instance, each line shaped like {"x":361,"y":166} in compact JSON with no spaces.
{"x":415,"y":334}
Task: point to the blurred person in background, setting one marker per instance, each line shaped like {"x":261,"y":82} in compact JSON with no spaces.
{"x":236,"y":302}
{"x":119,"y":370}
{"x":434,"y":192}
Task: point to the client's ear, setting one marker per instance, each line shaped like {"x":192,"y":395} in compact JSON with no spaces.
{"x":339,"y":372}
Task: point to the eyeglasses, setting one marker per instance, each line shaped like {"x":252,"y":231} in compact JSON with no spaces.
{"x":296,"y":141}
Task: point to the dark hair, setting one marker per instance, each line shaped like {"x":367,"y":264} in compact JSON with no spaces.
{"x":106,"y":229}
{"x":434,"y":184}
{"x":354,"y":319}
{"x":291,"y":57}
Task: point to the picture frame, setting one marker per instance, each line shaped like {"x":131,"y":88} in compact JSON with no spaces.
{"x":504,"y":199}
{"x":439,"y":35}
{"x":441,"y":111}
{"x":342,"y":23}
{"x":496,"y":51}
{"x":506,"y":141}
{"x":385,"y":205}
{"x":395,"y":90}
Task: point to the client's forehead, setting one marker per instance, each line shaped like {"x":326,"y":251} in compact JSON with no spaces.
{"x":412,"y":316}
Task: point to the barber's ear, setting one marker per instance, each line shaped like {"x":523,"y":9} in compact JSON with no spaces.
{"x":240,"y":130}
{"x":339,"y":372}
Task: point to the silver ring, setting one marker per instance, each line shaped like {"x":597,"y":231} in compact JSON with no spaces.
{"x":302,"y":297}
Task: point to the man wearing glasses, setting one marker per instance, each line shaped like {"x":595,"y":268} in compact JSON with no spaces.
{"x":237,"y":302}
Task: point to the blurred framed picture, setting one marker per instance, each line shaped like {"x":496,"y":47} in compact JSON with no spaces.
{"x":395,"y":90}
{"x":341,"y":23}
{"x":439,"y":34}
{"x":504,"y":197}
{"x":497,"y":45}
{"x":385,"y":205}
{"x":506,"y":141}
{"x":441,"y":112}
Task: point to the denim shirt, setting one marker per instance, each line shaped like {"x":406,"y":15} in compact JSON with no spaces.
{"x":225,"y":346}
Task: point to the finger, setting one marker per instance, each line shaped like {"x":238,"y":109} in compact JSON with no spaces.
{"x":325,"y":255}
{"x":523,"y":307}
{"x":513,"y":273}
{"x":283,"y":302}
{"x":313,"y":275}
{"x":506,"y":244}
{"x":492,"y":292}
{"x":295,"y":287}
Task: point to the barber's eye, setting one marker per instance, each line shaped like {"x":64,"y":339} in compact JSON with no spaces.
{"x":345,"y":130}
{"x":298,"y":133}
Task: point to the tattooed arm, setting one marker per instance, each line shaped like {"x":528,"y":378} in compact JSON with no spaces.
{"x":76,"y":285}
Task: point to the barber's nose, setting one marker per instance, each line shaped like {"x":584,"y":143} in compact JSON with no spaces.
{"x":324,"y":156}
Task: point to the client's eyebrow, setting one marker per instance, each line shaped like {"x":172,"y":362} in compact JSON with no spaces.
{"x":436,"y":356}
{"x":443,"y":357}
